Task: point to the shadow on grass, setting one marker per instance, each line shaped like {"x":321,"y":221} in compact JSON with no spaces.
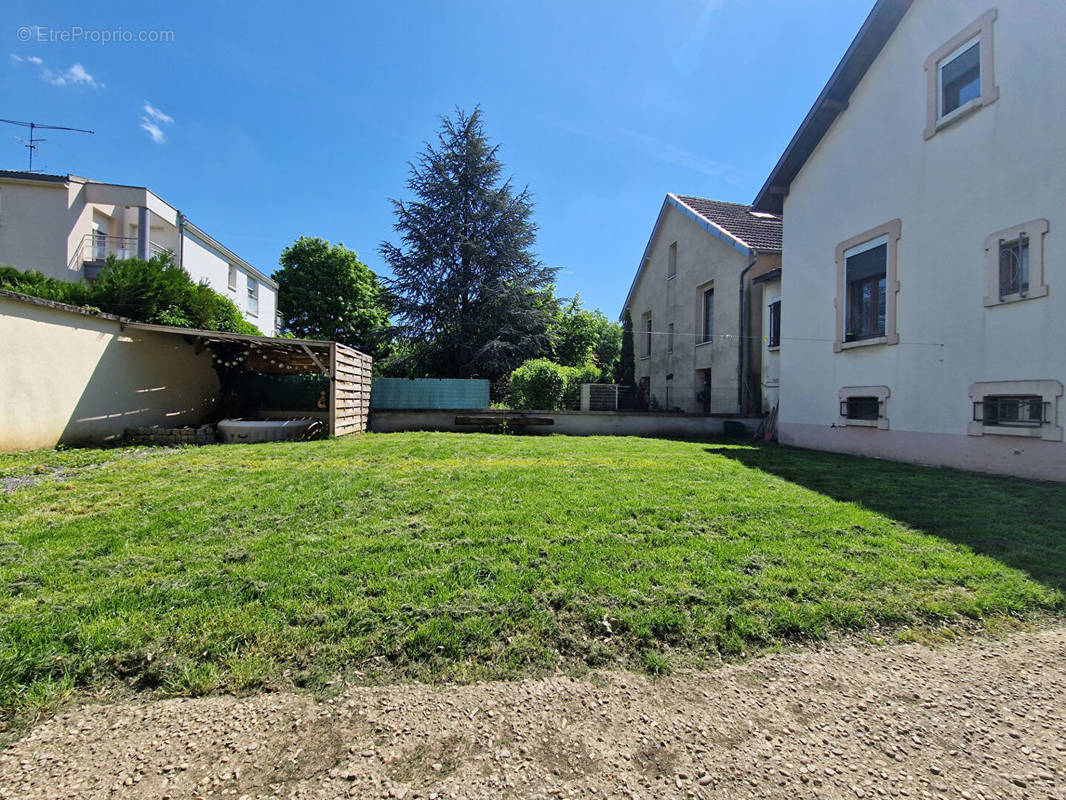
{"x":1019,"y":522}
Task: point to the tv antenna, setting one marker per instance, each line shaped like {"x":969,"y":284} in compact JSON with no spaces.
{"x":33,"y":142}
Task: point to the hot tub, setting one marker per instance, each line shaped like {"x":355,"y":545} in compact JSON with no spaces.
{"x":233,"y":431}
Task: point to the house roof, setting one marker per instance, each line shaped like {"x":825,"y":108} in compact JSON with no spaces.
{"x":22,"y":175}
{"x":860,"y":55}
{"x":755,"y":230}
{"x":729,"y":222}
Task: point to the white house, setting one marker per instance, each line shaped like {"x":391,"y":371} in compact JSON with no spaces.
{"x":924,"y":245}
{"x":65,"y":227}
{"x":702,"y":295}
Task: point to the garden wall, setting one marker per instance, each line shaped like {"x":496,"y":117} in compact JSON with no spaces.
{"x":70,"y":377}
{"x":574,"y":423}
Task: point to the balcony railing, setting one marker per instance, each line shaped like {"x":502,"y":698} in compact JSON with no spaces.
{"x":95,"y":248}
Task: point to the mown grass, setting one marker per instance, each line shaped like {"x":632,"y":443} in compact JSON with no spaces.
{"x":454,"y":557}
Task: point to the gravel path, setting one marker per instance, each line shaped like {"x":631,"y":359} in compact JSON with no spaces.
{"x":983,"y":719}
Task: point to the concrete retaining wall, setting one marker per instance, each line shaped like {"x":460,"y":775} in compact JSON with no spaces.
{"x":574,"y":423}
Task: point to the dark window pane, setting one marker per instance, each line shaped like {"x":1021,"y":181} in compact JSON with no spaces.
{"x":708,"y":315}
{"x":775,"y":324}
{"x":865,"y":276}
{"x":861,"y":408}
{"x":1013,"y":411}
{"x":960,"y":79}
{"x":1014,"y":266}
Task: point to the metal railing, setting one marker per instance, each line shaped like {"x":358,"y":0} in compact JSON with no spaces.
{"x":98,"y":247}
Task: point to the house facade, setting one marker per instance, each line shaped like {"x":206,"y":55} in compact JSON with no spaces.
{"x":924,"y":245}
{"x":66,"y":227}
{"x":697,"y":307}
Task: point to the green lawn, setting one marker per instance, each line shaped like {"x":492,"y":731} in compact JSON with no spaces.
{"x":441,"y":556}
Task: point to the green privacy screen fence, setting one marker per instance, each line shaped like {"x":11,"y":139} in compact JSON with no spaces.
{"x":427,"y":393}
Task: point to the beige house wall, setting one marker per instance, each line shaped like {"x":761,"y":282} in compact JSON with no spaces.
{"x":1001,"y":164}
{"x":703,"y":261}
{"x":44,"y":225}
{"x":69,"y":378}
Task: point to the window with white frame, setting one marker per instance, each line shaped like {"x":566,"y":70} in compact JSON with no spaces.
{"x":253,"y":296}
{"x":1014,"y":263}
{"x":1016,"y":408}
{"x":773,"y":333}
{"x":232,"y":282}
{"x":960,"y":75}
{"x":671,"y":262}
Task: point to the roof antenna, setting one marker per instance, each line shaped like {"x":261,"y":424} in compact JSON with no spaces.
{"x":32,"y":143}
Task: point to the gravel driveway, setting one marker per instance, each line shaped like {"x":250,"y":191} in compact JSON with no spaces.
{"x":983,"y":719}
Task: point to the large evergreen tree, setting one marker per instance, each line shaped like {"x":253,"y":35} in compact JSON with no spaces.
{"x":469,"y":291}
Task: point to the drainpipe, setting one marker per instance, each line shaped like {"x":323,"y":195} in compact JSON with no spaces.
{"x":181,"y":240}
{"x":740,"y":346}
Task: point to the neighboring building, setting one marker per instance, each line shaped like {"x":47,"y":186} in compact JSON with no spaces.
{"x":687,"y":307}
{"x":924,"y":205}
{"x":65,"y":227}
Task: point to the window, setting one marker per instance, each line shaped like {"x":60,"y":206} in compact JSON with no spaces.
{"x":670,"y":338}
{"x":1014,"y":263}
{"x":860,"y":408}
{"x":867,"y":288}
{"x":960,"y":76}
{"x":708,"y":315}
{"x":1012,"y":411}
{"x":773,"y":338}
{"x":233,"y":277}
{"x":253,"y":296}
{"x":671,"y":262}
{"x":864,"y":406}
{"x":647,"y":335}
{"x":866,"y":275}
{"x":1016,"y":408}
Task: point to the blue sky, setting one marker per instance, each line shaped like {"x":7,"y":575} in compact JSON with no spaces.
{"x":267,"y":121}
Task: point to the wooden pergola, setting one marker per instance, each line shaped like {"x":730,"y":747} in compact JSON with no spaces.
{"x":348,"y":369}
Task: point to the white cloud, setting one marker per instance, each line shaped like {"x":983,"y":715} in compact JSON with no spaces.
{"x":74,"y":75}
{"x":153,"y":121}
{"x":157,"y":115}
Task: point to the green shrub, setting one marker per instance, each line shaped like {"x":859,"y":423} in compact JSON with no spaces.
{"x":538,"y":384}
{"x":156,"y":291}
{"x":35,"y":284}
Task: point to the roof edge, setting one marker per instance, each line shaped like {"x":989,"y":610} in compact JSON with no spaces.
{"x":876,"y":30}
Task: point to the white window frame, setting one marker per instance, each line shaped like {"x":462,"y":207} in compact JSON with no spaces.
{"x":773,"y":348}
{"x":979,"y":31}
{"x":1050,"y":391}
{"x":232,"y":277}
{"x":253,"y":296}
{"x":940,"y":65}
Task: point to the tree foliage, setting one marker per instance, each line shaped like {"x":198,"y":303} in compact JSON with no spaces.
{"x":581,"y":336}
{"x":469,"y":290}
{"x":625,"y":371}
{"x":326,"y":292}
{"x":156,"y":291}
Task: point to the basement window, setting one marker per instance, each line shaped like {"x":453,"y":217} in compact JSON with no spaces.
{"x":864,"y":406}
{"x":1016,"y":408}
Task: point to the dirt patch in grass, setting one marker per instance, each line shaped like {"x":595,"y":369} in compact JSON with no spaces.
{"x":983,"y":717}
